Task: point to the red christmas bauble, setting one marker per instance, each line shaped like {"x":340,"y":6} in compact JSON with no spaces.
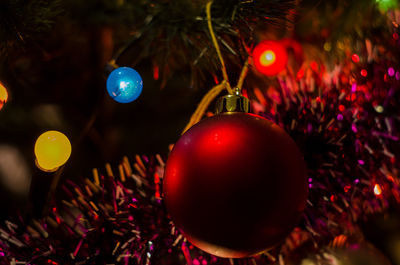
{"x":235,"y":184}
{"x":270,"y":57}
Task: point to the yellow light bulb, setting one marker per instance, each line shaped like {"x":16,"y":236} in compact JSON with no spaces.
{"x":3,"y":95}
{"x":52,"y":150}
{"x":267,"y":58}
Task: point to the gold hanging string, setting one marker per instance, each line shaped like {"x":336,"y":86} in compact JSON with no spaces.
{"x":204,"y":103}
{"x":216,"y":46}
{"x":213,"y":93}
{"x":243,"y":75}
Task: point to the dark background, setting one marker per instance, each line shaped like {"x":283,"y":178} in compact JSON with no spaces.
{"x":57,"y":82}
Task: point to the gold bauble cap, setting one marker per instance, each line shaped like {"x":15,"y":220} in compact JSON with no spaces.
{"x":233,"y":103}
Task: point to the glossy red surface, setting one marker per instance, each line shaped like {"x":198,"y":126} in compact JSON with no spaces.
{"x":235,"y":184}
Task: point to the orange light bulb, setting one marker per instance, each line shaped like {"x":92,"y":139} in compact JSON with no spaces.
{"x":3,"y":95}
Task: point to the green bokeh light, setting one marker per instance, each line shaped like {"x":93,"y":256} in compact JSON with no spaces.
{"x":384,"y":5}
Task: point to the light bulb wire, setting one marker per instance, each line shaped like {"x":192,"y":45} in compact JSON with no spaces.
{"x":52,"y":190}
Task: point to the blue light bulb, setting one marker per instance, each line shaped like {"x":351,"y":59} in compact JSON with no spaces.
{"x":124,"y":84}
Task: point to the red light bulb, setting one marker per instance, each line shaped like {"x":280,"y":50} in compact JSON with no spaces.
{"x":267,"y":58}
{"x":270,"y":57}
